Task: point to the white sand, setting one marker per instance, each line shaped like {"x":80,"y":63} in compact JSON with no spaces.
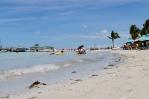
{"x":129,"y":81}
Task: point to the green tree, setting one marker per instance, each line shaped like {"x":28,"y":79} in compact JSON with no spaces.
{"x":113,"y":36}
{"x":134,"y":32}
{"x":142,"y":32}
{"x":145,"y":29}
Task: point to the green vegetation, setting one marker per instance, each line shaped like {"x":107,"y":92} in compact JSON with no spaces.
{"x":113,"y":36}
{"x":135,"y":32}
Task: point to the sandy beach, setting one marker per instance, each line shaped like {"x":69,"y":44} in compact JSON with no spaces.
{"x":128,"y":79}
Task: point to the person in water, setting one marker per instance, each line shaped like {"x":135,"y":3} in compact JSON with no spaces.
{"x":62,"y":51}
{"x":57,"y":53}
{"x":81,"y":50}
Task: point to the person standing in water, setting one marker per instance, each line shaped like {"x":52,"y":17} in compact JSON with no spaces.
{"x":81,"y":50}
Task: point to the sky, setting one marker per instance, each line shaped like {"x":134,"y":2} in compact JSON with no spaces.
{"x":68,"y":23}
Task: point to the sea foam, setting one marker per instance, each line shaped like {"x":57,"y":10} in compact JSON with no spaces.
{"x":29,"y":70}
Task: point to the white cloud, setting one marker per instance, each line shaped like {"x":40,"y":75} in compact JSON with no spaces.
{"x":30,"y":6}
{"x":64,"y":1}
{"x":85,"y":26}
{"x":66,"y":13}
{"x":83,"y":37}
{"x":34,"y":5}
{"x":3,"y":20}
{"x":59,"y":9}
{"x":103,"y":33}
{"x":99,"y":35}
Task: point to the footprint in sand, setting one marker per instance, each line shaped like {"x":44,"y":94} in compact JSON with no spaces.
{"x":94,"y":75}
{"x":73,"y":72}
{"x":78,"y":80}
{"x":32,"y":98}
{"x":5,"y":96}
{"x":111,"y":65}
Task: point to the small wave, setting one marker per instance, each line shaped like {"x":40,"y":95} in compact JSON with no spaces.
{"x":66,"y":65}
{"x":30,"y":70}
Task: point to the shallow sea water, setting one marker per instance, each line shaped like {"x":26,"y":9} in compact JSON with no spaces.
{"x":19,"y":70}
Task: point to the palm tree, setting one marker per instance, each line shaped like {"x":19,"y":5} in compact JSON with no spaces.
{"x":134,"y":31}
{"x":145,"y":29}
{"x":113,"y":36}
{"x":142,"y":32}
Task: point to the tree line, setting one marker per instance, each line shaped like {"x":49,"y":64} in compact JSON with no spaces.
{"x":135,"y":32}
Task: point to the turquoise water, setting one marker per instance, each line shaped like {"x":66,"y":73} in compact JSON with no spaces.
{"x":16,"y":64}
{"x":21,"y":69}
{"x":21,"y":60}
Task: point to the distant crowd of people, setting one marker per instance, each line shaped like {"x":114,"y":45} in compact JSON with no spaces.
{"x":136,"y":45}
{"x":80,"y":50}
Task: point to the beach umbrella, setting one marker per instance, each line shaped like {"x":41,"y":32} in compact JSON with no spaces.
{"x":144,"y":38}
{"x":130,"y":40}
{"x":147,"y":37}
{"x":80,"y":47}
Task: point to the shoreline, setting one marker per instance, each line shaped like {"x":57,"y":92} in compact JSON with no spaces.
{"x":69,"y":74}
{"x":127,"y":80}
